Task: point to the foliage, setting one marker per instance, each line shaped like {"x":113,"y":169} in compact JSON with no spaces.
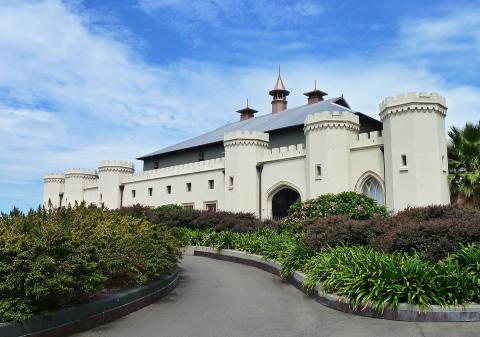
{"x":217,"y":221}
{"x":168,"y":207}
{"x":367,"y":276}
{"x":464,"y":159}
{"x":433,"y":231}
{"x":63,"y":256}
{"x":351,"y":204}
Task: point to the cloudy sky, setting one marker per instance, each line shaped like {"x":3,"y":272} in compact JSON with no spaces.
{"x":83,"y":81}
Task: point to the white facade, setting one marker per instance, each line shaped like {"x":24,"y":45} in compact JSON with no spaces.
{"x":405,"y":165}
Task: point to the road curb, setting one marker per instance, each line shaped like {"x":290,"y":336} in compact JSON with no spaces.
{"x":405,"y":312}
{"x":99,"y":311}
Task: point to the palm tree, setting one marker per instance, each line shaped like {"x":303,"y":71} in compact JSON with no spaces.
{"x":464,"y":162}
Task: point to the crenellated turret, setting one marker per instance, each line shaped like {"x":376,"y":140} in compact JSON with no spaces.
{"x":415,"y":150}
{"x":110,"y":175}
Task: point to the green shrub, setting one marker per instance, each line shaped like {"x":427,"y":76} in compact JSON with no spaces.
{"x":351,"y":204}
{"x":367,"y":276}
{"x":53,"y":258}
{"x":169,"y":207}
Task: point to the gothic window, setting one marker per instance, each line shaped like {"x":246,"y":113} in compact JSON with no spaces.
{"x":373,"y":189}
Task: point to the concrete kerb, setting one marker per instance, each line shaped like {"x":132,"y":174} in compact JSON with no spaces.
{"x":405,"y":312}
{"x":99,"y":311}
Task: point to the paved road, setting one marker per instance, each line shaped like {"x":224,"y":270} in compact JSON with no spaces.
{"x":223,"y":299}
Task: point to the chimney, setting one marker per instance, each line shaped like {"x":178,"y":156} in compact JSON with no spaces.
{"x":246,"y":113}
{"x":279,"y":94}
{"x":315,"y":95}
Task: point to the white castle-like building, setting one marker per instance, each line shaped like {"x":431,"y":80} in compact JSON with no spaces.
{"x":264,"y":164}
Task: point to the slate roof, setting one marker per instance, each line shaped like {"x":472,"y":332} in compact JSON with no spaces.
{"x":265,"y":123}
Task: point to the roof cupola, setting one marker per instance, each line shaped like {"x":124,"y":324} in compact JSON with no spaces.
{"x":279,"y":94}
{"x":315,"y":95}
{"x":246,"y":113}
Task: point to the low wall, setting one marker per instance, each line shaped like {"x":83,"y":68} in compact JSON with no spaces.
{"x":405,"y":312}
{"x":99,"y":311}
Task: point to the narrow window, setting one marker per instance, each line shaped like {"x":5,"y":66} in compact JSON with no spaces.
{"x":101,"y":197}
{"x":211,"y":184}
{"x":150,"y":191}
{"x":404,"y":160}
{"x":169,"y":189}
{"x":201,"y":156}
{"x":318,"y":171}
{"x":133,"y":193}
{"x":155,"y":164}
{"x":189,"y":187}
{"x":230,"y":181}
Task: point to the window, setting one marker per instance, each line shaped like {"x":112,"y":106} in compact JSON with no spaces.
{"x":211,"y":206}
{"x":150,"y":191}
{"x":404,"y":160}
{"x":133,"y":193}
{"x":318,"y":171}
{"x":155,"y":164}
{"x":373,"y":189}
{"x":189,"y":187}
{"x":211,"y":184}
{"x":188,"y":205}
{"x":169,"y":189}
{"x":201,"y":156}
{"x":230,"y":182}
{"x":101,"y":197}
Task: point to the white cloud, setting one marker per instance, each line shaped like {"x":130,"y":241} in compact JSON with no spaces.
{"x":73,"y":96}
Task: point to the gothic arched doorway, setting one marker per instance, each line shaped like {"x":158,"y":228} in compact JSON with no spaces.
{"x":282,"y":200}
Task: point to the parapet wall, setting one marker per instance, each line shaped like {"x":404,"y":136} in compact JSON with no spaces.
{"x":284,"y":152}
{"x":426,"y":102}
{"x":246,"y":138}
{"x":332,"y":120}
{"x":54,"y":178}
{"x":195,"y":167}
{"x":81,"y":173}
{"x":116,"y":166}
{"x":368,"y":139}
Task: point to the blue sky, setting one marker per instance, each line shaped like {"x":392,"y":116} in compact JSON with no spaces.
{"x":83,"y":81}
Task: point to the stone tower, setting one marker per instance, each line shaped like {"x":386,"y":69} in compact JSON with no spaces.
{"x":329,"y":135}
{"x":415,"y":150}
{"x":243,"y":150}
{"x":110,"y":174}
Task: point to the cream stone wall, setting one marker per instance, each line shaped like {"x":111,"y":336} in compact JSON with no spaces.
{"x":251,"y":172}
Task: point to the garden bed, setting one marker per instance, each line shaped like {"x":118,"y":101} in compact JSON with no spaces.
{"x":405,"y":312}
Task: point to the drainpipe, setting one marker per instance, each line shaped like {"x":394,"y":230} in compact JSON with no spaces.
{"x":382,"y":148}
{"x":259,"y":172}
{"x":122,"y":187}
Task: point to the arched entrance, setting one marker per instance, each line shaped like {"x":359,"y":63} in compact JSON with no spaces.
{"x":282,"y":200}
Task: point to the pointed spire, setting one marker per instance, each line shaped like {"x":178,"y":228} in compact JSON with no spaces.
{"x":279,"y":93}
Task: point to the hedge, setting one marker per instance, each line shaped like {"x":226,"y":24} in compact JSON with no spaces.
{"x":53,"y":258}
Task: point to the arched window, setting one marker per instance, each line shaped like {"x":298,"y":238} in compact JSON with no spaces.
{"x":373,"y":189}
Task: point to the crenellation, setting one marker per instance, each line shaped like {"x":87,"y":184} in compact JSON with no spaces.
{"x":368,"y":139}
{"x":284,"y":152}
{"x":54,"y":177}
{"x":412,"y":98}
{"x":331,"y":120}
{"x":81,"y":172}
{"x":189,"y":168}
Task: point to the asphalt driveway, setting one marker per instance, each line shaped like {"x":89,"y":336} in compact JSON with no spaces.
{"x":222,"y":299}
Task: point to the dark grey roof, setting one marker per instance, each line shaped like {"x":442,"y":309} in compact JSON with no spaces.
{"x":265,"y":123}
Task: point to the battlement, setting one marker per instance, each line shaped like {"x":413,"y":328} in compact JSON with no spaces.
{"x":332,"y":120}
{"x":284,"y":152}
{"x":368,"y":139}
{"x":54,"y":177}
{"x":80,"y":173}
{"x":116,"y":166}
{"x":117,"y":163}
{"x":195,"y":167}
{"x":412,"y":97}
{"x":246,"y":135}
